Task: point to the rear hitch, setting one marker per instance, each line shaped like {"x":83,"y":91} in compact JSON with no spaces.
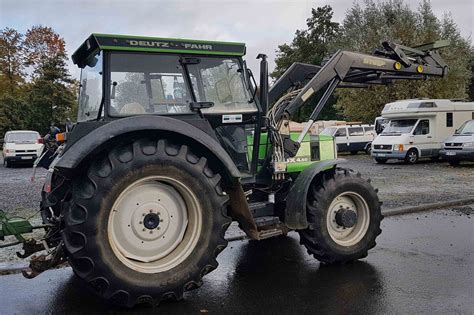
{"x":17,"y":227}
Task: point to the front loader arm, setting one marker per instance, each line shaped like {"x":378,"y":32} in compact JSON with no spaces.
{"x":395,"y":62}
{"x":352,"y":69}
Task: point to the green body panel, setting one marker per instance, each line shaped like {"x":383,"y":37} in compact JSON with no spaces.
{"x":303,"y":157}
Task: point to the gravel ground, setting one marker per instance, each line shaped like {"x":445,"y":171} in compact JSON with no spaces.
{"x":399,"y":185}
{"x":402,"y":185}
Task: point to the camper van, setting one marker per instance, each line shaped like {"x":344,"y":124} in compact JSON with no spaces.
{"x":417,"y":128}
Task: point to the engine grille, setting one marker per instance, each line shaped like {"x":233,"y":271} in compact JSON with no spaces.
{"x":382,"y":147}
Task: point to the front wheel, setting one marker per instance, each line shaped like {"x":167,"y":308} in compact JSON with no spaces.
{"x":146,"y":222}
{"x":412,"y":156}
{"x":344,"y":216}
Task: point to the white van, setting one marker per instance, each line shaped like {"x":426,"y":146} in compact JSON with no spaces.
{"x":351,"y":138}
{"x":418,"y":127}
{"x":21,"y":146}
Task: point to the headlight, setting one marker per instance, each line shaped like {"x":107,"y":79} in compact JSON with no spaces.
{"x":468,"y":144}
{"x":398,"y":147}
{"x":10,"y":151}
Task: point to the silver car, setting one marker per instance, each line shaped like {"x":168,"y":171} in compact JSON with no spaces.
{"x":460,"y":146}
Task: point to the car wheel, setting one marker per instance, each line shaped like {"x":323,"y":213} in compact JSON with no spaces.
{"x":454,"y":162}
{"x":412,"y":156}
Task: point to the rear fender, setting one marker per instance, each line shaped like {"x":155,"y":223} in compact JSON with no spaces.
{"x":295,"y":211}
{"x":94,"y":141}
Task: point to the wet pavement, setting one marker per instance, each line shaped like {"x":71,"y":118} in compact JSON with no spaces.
{"x":423,"y":263}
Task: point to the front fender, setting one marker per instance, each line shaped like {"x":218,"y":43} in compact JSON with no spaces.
{"x":92,"y":142}
{"x":295,"y":211}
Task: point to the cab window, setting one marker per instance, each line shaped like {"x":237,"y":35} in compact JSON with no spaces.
{"x":423,"y":128}
{"x":147,"y":84}
{"x":356,"y":131}
{"x":341,"y":132}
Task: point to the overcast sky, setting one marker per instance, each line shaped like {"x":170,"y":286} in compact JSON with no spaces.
{"x":261,"y":24}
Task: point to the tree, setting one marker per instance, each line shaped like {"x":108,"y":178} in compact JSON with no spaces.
{"x":366,"y":27}
{"x":51,"y":97}
{"x":41,"y":45}
{"x":311,"y":46}
{"x":11,"y":60}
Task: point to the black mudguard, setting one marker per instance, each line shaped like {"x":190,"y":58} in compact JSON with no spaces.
{"x":73,"y":156}
{"x":295,"y":211}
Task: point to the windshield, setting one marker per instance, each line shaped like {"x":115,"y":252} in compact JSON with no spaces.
{"x":328,"y":131}
{"x":399,"y":126}
{"x":90,"y":90}
{"x":220,"y":80}
{"x":147,"y":84}
{"x":22,"y":137}
{"x":466,"y":129}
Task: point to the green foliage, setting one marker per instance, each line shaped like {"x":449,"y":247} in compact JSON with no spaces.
{"x":311,"y":46}
{"x":45,"y":96}
{"x":11,"y":60}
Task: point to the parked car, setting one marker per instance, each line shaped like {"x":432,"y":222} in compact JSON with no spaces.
{"x":418,"y":127}
{"x":460,"y":146}
{"x":21,"y":146}
{"x":351,"y":138}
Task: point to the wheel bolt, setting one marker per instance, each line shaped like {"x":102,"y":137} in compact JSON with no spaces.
{"x":144,"y":230}
{"x":151,"y":232}
{"x":161,"y":220}
{"x":143,"y":215}
{"x":158,"y":213}
{"x":158,"y":228}
{"x":141,"y":222}
{"x":151,"y":211}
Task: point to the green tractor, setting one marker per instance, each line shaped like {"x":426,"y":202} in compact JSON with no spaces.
{"x":174,"y":141}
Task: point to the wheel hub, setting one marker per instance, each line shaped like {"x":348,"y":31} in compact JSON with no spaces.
{"x":346,"y":218}
{"x":151,"y":221}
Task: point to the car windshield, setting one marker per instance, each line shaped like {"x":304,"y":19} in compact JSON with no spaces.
{"x":22,"y":137}
{"x":399,"y":126}
{"x":466,"y":129}
{"x":328,"y":131}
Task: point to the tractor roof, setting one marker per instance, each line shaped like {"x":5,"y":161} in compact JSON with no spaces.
{"x":97,"y":42}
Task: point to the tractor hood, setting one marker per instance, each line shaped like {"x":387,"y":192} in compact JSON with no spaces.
{"x":95,"y":42}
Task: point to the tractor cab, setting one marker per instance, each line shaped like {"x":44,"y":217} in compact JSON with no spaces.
{"x":205,"y":83}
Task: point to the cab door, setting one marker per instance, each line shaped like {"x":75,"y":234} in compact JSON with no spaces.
{"x":423,"y":137}
{"x":235,"y":114}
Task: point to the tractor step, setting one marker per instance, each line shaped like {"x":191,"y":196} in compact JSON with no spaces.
{"x":261,"y":208}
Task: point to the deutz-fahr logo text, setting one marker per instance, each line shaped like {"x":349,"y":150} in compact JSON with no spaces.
{"x":157,"y":44}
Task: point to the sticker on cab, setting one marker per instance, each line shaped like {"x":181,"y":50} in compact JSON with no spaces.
{"x":230,"y":119}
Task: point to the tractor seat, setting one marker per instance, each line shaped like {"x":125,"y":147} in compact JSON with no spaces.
{"x":132,"y":109}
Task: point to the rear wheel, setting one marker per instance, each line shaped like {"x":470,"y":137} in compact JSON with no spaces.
{"x":412,"y":156}
{"x":344,"y":215}
{"x":146,"y":223}
{"x":368,"y":149}
{"x":7,"y":163}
